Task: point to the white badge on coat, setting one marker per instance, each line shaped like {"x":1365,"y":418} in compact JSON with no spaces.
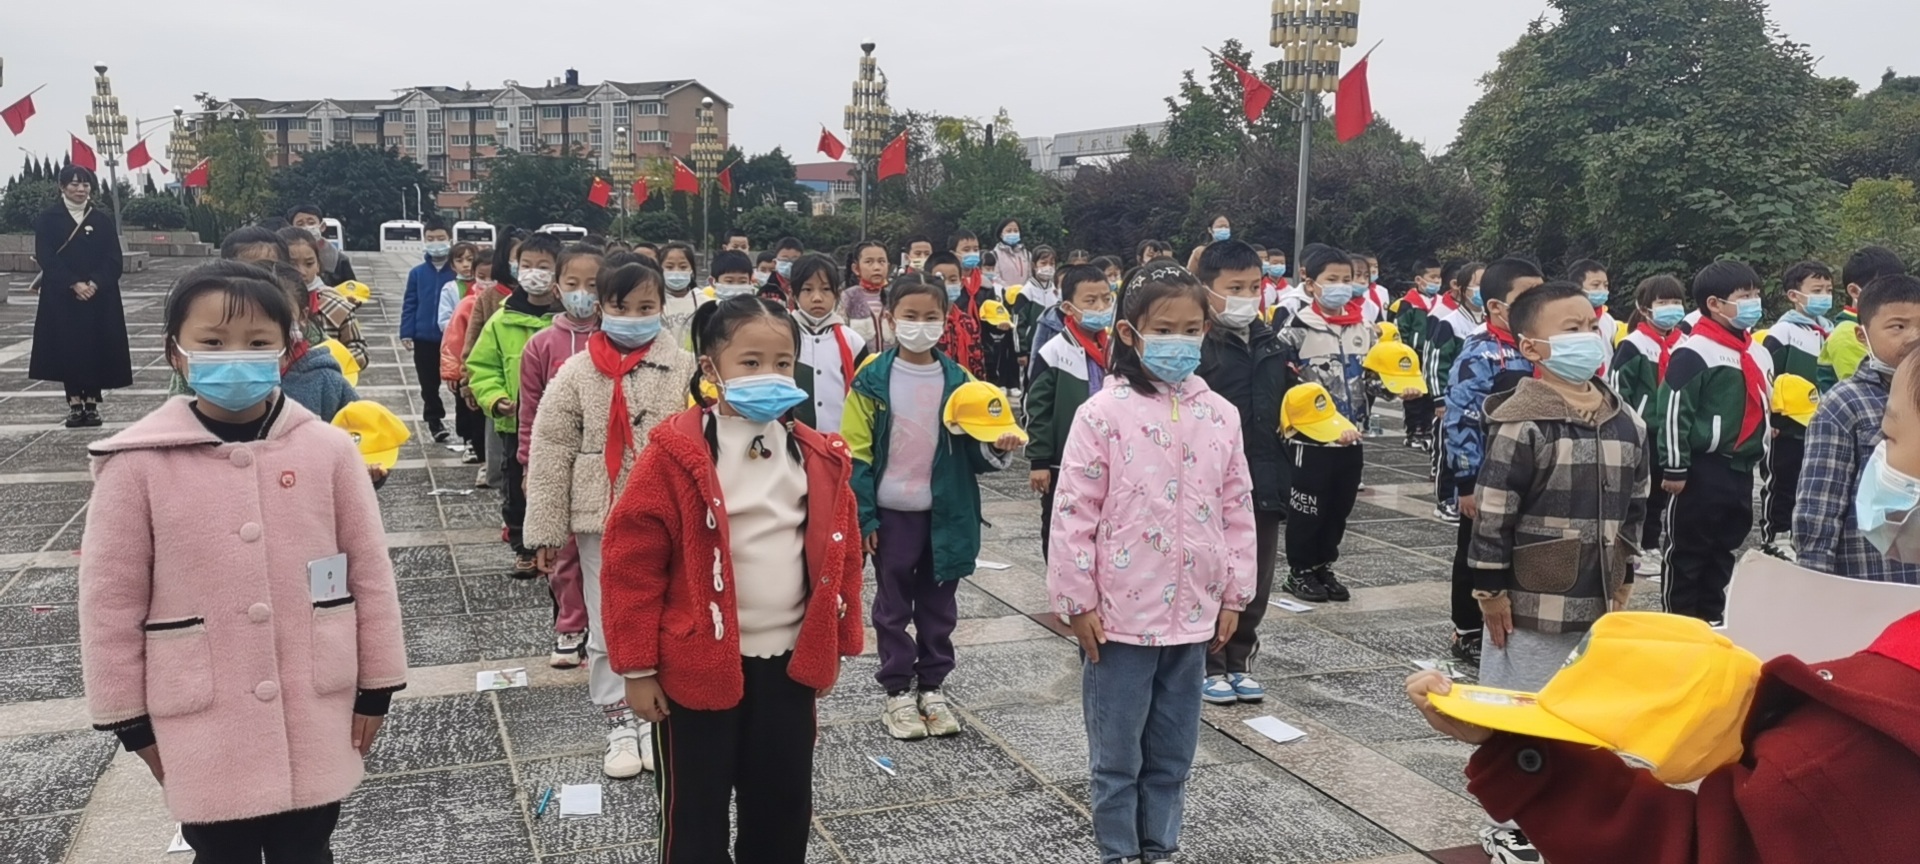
{"x":327,"y":577}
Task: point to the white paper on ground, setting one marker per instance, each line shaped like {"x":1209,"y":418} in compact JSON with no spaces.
{"x":1775,"y":608}
{"x":983,"y":564}
{"x":499,"y":679}
{"x":179,"y":843}
{"x":1446,"y":667}
{"x":1289,"y":605}
{"x":582,"y":800}
{"x":1275,"y":728}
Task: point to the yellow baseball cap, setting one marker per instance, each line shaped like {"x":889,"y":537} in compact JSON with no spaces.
{"x":1013,"y":294}
{"x":991,"y":312}
{"x":981,"y":410}
{"x":1397,"y":365}
{"x":1795,"y":397}
{"x":1308,"y":409}
{"x":1663,"y":691}
{"x":348,"y":365}
{"x":375,"y":430}
{"x":358,"y":292}
{"x":1389,"y":332}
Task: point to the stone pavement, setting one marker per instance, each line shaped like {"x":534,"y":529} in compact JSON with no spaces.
{"x":455,"y":773}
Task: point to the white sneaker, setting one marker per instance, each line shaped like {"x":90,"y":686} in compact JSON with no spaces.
{"x":569,"y":651}
{"x":1782,"y":548}
{"x":1508,"y":846}
{"x":902,"y":718}
{"x":1648,"y":564}
{"x":480,"y":482}
{"x":941,"y":721}
{"x":625,"y":757}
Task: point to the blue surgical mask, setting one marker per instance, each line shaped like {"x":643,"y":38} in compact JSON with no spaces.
{"x":953,"y":293}
{"x":1096,"y":321}
{"x":1429,"y":288}
{"x":1276,"y":270}
{"x":1335,"y":295}
{"x":1818,"y":305}
{"x":783,"y":267}
{"x":1011,"y":238}
{"x":1576,"y":356}
{"x":579,"y":304}
{"x":630,"y":333}
{"x":1170,"y":358}
{"x":677,"y":280}
{"x":1473,"y":296}
{"x":1222,"y":235}
{"x":724,"y":291}
{"x":970,"y":260}
{"x":438,"y":248}
{"x":1599,"y":297}
{"x":762,"y":398}
{"x":1669,"y":317}
{"x":234,"y":380}
{"x":513,"y":267}
{"x":1746,"y":313}
{"x":1883,"y":508}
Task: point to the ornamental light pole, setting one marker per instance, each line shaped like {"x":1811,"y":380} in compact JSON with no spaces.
{"x":868,"y":119}
{"x":621,"y":166}
{"x":109,"y":129}
{"x":707,"y":153}
{"x":1311,"y":33}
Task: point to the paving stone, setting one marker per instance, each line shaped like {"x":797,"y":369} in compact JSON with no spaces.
{"x":44,"y":585}
{"x":424,"y":818}
{"x":629,"y":809}
{"x":440,"y":595}
{"x":437,"y":732}
{"x":1442,"y":760}
{"x":1365,"y":568}
{"x":26,"y":538}
{"x":411,"y":518}
{"x":1231,"y":810}
{"x":1369,"y":706}
{"x":1051,"y":739}
{"x":469,"y":638}
{"x":483,"y":558}
{"x":857,"y":697}
{"x":1411,"y":531}
{"x":928,"y":770}
{"x":23,"y":626}
{"x":1290,"y":644}
{"x":14,"y":497}
{"x":548,"y":721}
{"x":1028,"y":827}
{"x":1039,"y":670}
{"x":37,"y":840}
{"x":418,"y":562}
{"x":1381,"y":475}
{"x":60,"y":768}
{"x":495,"y":591}
{"x":43,"y":672}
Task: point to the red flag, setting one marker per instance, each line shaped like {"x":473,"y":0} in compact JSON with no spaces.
{"x":1352,"y":105}
{"x":1254,"y":93}
{"x":138,"y":157}
{"x":831,"y":145}
{"x":16,"y":114}
{"x":599,"y":193}
{"x":893,"y":158}
{"x":197,"y":176}
{"x":640,"y":192}
{"x":82,"y":154}
{"x":684,"y":180}
{"x":726,"y":177}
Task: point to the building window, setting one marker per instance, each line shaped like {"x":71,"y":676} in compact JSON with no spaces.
{"x":298,"y":148}
{"x":457,"y":115}
{"x":484,"y":141}
{"x":577,"y":110}
{"x":652,"y":109}
{"x":482,"y":114}
{"x":434,"y":120}
{"x":527,"y":139}
{"x":396,"y":116}
{"x":621,"y":110}
{"x":651,"y":136}
{"x":468,"y":186}
{"x":390,"y":141}
{"x":552,"y":112}
{"x":413,"y":143}
{"x":436,"y":142}
{"x":461,"y":141}
{"x":266,"y":125}
{"x":462,"y":165}
{"x":526,"y":115}
{"x":314,"y":125}
{"x":366,"y":125}
{"x":552,"y":139}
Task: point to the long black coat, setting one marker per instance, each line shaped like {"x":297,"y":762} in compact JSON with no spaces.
{"x":82,"y":343}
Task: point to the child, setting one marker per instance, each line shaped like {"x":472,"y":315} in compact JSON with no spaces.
{"x":540,"y":360}
{"x":919,"y":502}
{"x":1274,"y":281}
{"x":493,"y":373}
{"x":463,"y":257}
{"x":253,"y":244}
{"x":1067,"y":370}
{"x":919,"y":249}
{"x":1794,"y":342}
{"x":649,"y":251}
{"x":1713,"y":431}
{"x":1446,"y":333}
{"x":485,"y":306}
{"x":1639,"y":365}
{"x":1418,"y":310}
{"x":326,"y":308}
{"x":1376,"y":295}
{"x":1489,"y":353}
{"x":1841,"y":440}
{"x":335,"y":267}
{"x":1244,"y":363}
{"x":676,"y":265}
{"x":731,"y":274}
{"x":786,"y":251}
{"x":420,"y":324}
{"x":968,"y":340}
{"x":310,"y":377}
{"x":1845,"y":349}
{"x":1151,"y":250}
{"x":1325,"y":344}
{"x":221,"y":526}
{"x":1152,"y":583}
{"x":830,"y":351}
{"x":1561,"y":495}
{"x":1591,"y":276}
{"x":960,"y":338}
{"x":763,"y":273}
{"x":762,"y":575}
{"x":861,"y":304}
{"x":468,"y":422}
{"x":1028,"y":302}
{"x":1013,"y":262}
{"x":1110,"y":265}
{"x":592,"y":424}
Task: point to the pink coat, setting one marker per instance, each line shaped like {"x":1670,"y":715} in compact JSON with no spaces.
{"x":1153,"y":515}
{"x":196,"y":610}
{"x":545,"y":353}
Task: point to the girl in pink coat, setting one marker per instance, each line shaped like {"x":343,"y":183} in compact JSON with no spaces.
{"x":239,"y":623}
{"x":1152,"y":558}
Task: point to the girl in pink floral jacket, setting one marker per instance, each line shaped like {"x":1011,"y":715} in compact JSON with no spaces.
{"x":1152,"y":557}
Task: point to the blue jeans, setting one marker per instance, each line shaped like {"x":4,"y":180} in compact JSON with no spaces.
{"x":1142,"y":708}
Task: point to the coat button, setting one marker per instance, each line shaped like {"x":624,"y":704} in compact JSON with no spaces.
{"x":241,"y":457}
{"x":1530,"y":761}
{"x":837,"y":536}
{"x":1825,"y":675}
{"x":266,"y":691}
{"x":258,"y":613}
{"x":250,"y":531}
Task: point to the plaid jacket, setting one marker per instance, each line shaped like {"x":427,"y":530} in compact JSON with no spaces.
{"x":1550,"y":477}
{"x":1844,"y":432}
{"x":336,"y":318}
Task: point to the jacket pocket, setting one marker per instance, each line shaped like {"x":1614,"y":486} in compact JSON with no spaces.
{"x":590,"y":488}
{"x":1713,"y":443}
{"x":179,"y":668}
{"x":1548,"y":567}
{"x":335,"y":647}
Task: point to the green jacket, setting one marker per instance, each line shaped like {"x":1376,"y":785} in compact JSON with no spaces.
{"x":1413,"y":321}
{"x":493,"y":368}
{"x":1054,"y":396}
{"x":1704,"y":405}
{"x":867,"y":427}
{"x":1843,"y":353}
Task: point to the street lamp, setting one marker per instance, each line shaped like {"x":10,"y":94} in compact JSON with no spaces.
{"x":707,"y":153}
{"x":109,"y":129}
{"x":1311,"y":32}
{"x":624,"y":171}
{"x":867,"y":121}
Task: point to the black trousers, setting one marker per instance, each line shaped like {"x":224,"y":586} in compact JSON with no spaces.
{"x":1651,"y":532}
{"x":1467,"y":620}
{"x":1707,"y":521}
{"x":513,"y":498}
{"x":1419,"y":414}
{"x":82,"y":394}
{"x":758,"y":754}
{"x":294,"y":837}
{"x":426,"y":365}
{"x":1046,"y":512}
{"x":1783,"y":479}
{"x":1244,"y":646}
{"x":1326,"y":480}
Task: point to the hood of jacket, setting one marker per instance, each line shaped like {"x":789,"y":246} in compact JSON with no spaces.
{"x":522,"y":302}
{"x":173,"y":424}
{"x":316,"y":359}
{"x":1533,"y":399}
{"x":511,"y":317}
{"x":566,"y":322}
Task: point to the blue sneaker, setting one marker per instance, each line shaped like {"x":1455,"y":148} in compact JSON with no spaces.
{"x":1245,"y":688}
{"x":1219,"y":691}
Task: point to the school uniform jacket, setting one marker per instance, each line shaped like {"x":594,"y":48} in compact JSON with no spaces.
{"x":831,"y":358}
{"x":1064,"y":384}
{"x":1704,"y":401}
{"x":1413,"y":316}
{"x":1447,"y":332}
{"x":1795,"y":342}
{"x":1329,"y":355}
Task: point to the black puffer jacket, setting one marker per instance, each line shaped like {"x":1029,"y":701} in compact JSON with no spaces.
{"x":1252,"y":375}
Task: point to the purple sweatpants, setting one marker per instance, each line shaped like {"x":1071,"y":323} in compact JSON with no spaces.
{"x":907,"y":593}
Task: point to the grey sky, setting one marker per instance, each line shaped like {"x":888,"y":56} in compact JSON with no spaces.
{"x":1055,"y":65}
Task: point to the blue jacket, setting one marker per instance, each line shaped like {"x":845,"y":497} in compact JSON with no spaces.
{"x":420,"y":311}
{"x":315,"y":381}
{"x":1483,"y":358}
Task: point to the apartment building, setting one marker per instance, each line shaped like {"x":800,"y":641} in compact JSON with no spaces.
{"x":452,"y":131}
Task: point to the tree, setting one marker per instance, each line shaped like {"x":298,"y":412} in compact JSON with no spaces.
{"x":1880,"y":132}
{"x":764,"y":226}
{"x":530,"y":190}
{"x":24,"y":201}
{"x":356,"y":184}
{"x":239,"y":177}
{"x":155,"y":213}
{"x":1879,"y":212}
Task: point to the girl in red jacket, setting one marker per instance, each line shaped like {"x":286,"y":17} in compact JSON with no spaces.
{"x":730,"y":591}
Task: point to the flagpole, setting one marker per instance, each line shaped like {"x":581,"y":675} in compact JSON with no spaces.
{"x":863,"y":199}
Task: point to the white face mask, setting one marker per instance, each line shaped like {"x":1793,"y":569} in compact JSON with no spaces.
{"x":918,"y":336}
{"x":725,"y":291}
{"x":812,"y":322}
{"x":318,"y":231}
{"x":315,"y":284}
{"x":1240,"y":311}
{"x":536,"y":282}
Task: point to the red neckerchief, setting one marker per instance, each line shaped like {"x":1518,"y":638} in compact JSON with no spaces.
{"x":1347,"y":317}
{"x":1502,"y":335}
{"x":971,"y":281}
{"x":846,"y":357}
{"x":1095,"y":345}
{"x":1447,"y":302}
{"x":1418,"y":299}
{"x":1599,"y":311}
{"x":1718,"y":334}
{"x":1666,"y":343}
{"x":1900,"y":641}
{"x":294,"y":354}
{"x":616,"y":364}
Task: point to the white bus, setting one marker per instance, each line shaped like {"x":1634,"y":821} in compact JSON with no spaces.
{"x":333,"y":232}
{"x":563,"y":232}
{"x":403,"y":235}
{"x":477,"y":233}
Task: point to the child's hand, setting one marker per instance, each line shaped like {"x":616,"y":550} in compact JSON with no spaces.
{"x":1622,"y":595}
{"x":1421,"y":683}
{"x":872,"y":543}
{"x":364,"y":728}
{"x":1468,"y":508}
{"x":1004,"y":326}
{"x":1040,"y":480}
{"x":1009,"y":442}
{"x":1223,"y":630}
{"x":502,"y":407}
{"x":1351,"y":436}
{"x":646,"y":698}
{"x":1087,"y":629}
{"x":150,"y":754}
{"x":1499,"y":616}
{"x":1673,"y":487}
{"x":544,"y":558}
{"x":1411,"y":393}
{"x":407,"y":344}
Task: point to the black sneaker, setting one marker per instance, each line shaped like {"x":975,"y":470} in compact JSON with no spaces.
{"x":1336,"y":592}
{"x":1466,"y":648}
{"x":92,"y":416}
{"x":76,"y":416}
{"x":1447,"y":511}
{"x":440,"y":434}
{"x":1304,"y":585}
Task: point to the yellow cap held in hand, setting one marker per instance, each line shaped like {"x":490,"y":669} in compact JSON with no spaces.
{"x":1397,"y":365}
{"x":1795,"y":397}
{"x":991,"y":312}
{"x":1308,"y":410}
{"x":1389,"y":331}
{"x":358,"y":292}
{"x":981,"y":410}
{"x":375,"y":430}
{"x":1662,"y":691}
{"x":348,"y":365}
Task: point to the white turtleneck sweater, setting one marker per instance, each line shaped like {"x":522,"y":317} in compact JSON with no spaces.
{"x":766,"y":497}
{"x":77,"y":211}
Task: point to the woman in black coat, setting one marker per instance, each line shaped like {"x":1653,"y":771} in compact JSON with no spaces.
{"x":80,"y":329}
